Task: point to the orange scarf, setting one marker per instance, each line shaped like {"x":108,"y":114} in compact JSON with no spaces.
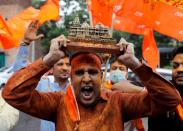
{"x":72,"y":106}
{"x":179,"y":110}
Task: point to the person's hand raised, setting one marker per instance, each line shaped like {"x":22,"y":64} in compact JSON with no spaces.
{"x":128,"y":57}
{"x":56,"y":50}
{"x":31,"y":32}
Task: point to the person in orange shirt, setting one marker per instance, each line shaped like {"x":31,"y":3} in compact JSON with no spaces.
{"x":89,"y":111}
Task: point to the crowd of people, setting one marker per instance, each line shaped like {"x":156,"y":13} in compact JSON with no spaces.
{"x":68,"y":93}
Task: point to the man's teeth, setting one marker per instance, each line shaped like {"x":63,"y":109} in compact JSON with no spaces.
{"x":87,"y":87}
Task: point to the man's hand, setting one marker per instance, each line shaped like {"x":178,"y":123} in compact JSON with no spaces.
{"x":127,"y":57}
{"x":31,"y":32}
{"x":55,"y":52}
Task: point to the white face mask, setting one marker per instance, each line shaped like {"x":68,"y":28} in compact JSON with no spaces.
{"x":117,"y":76}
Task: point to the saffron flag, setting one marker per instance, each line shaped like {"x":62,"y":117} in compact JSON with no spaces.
{"x":12,"y":31}
{"x":6,"y":39}
{"x":149,"y":49}
{"x":128,"y":25}
{"x":164,"y":16}
{"x":19,"y":23}
{"x":125,"y":19}
{"x":169,"y":22}
{"x":102,"y":11}
{"x":49,"y":11}
{"x":137,"y":12}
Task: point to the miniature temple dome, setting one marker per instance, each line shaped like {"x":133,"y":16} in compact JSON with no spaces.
{"x":85,"y":25}
{"x":76,"y":21}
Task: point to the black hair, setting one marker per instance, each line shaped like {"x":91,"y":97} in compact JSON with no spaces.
{"x":114,"y":58}
{"x":176,"y":51}
{"x":67,"y":54}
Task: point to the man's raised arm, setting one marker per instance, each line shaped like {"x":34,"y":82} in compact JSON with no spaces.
{"x":159,"y":97}
{"x":20,"y":89}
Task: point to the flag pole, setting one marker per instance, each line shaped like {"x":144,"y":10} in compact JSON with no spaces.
{"x":88,"y":2}
{"x":106,"y":69}
{"x":90,"y":17}
{"x":112,"y":24}
{"x":33,"y":51}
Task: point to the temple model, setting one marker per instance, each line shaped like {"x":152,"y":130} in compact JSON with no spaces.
{"x":96,"y":39}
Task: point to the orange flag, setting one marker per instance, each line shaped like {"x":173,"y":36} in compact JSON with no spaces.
{"x":71,"y":104}
{"x":102,"y":11}
{"x":19,"y":23}
{"x":128,"y":25}
{"x":164,"y":16}
{"x":149,"y":49}
{"x":49,"y":11}
{"x":137,"y":11}
{"x":6,"y":39}
{"x":168,"y":20}
{"x":131,"y":15}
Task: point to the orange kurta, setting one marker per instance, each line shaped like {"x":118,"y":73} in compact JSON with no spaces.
{"x":107,"y":115}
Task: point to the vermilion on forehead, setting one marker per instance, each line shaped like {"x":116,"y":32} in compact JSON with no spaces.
{"x":85,"y":66}
{"x":86,"y":59}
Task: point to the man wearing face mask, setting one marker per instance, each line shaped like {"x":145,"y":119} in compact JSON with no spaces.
{"x":172,"y":120}
{"x":119,"y":73}
{"x":89,"y":111}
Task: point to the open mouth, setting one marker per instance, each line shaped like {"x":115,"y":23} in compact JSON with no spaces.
{"x":179,"y":76}
{"x":87,"y":92}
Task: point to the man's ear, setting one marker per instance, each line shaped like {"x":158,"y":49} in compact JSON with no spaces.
{"x":126,"y":75}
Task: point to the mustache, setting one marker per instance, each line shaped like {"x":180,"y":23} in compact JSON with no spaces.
{"x":65,"y":72}
{"x":179,"y":75}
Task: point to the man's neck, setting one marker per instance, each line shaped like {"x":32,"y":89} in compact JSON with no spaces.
{"x":62,"y":82}
{"x":179,"y":88}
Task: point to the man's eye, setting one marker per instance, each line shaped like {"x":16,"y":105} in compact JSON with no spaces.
{"x":79,"y":72}
{"x":60,"y":64}
{"x":175,"y":65}
{"x":93,"y":72}
{"x":122,"y":69}
{"x":68,"y":64}
{"x":114,"y":68}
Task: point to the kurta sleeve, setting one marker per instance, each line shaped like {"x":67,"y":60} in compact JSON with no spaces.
{"x":20,"y":92}
{"x":160,"y":96}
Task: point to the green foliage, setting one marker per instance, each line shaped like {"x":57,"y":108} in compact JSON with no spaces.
{"x":50,"y":31}
{"x":37,"y":3}
{"x":135,"y":39}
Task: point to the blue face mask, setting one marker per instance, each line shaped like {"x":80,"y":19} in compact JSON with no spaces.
{"x":117,"y":76}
